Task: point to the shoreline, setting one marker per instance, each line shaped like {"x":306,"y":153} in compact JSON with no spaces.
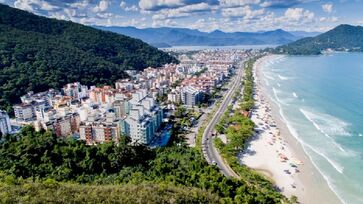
{"x":275,"y":150}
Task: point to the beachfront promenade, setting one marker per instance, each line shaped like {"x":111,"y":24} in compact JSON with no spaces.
{"x":210,"y":153}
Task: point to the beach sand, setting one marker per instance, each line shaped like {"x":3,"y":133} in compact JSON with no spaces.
{"x":274,"y":152}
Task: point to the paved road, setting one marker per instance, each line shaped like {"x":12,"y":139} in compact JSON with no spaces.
{"x":210,"y":152}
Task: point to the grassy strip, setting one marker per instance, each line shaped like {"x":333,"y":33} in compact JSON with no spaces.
{"x":14,"y":190}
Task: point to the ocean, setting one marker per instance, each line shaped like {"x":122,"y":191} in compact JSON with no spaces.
{"x":321,"y":100}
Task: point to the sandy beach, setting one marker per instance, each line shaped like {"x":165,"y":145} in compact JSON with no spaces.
{"x":275,"y":153}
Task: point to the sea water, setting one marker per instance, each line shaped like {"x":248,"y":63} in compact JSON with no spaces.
{"x":321,"y":100}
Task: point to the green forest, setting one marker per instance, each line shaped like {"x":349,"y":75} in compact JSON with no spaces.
{"x":37,"y":164}
{"x":38,"y":53}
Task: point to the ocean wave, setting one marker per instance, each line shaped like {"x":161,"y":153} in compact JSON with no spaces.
{"x":275,"y":91}
{"x":271,"y":61}
{"x":327,"y":124}
{"x":333,"y":163}
{"x":293,"y":132}
{"x":295,"y":95}
{"x":282,"y":59}
{"x":279,"y":59}
{"x":283,"y":77}
{"x":268,"y":76}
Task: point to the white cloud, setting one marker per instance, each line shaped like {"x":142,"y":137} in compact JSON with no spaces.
{"x":70,"y":12}
{"x":281,"y":3}
{"x":206,"y":25}
{"x":47,"y":6}
{"x":123,"y":4}
{"x":328,"y":8}
{"x":106,"y":15}
{"x":132,"y":8}
{"x":246,"y":12}
{"x":165,"y":17}
{"x":128,"y":8}
{"x":33,"y":5}
{"x":80,"y":4}
{"x":230,"y":3}
{"x":23,"y":4}
{"x":164,"y":23}
{"x":333,"y":19}
{"x":156,"y":4}
{"x":182,"y":11}
{"x":102,"y":6}
{"x":298,"y":14}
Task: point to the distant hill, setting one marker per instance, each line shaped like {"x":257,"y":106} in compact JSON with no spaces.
{"x":341,"y":38}
{"x":38,"y":53}
{"x":183,"y":37}
{"x":304,"y":34}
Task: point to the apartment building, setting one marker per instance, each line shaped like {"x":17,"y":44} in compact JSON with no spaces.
{"x":64,"y":126}
{"x":75,"y":90}
{"x":144,"y":118}
{"x":5,"y":126}
{"x":191,"y":96}
{"x":100,"y":129}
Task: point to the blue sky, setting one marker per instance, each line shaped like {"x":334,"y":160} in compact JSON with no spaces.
{"x":207,"y":15}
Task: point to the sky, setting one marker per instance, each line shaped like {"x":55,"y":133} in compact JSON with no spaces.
{"x":207,"y":15}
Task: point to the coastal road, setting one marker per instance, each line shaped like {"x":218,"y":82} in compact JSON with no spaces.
{"x":210,"y":153}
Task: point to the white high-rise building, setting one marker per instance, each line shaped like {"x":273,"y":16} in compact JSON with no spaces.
{"x":144,"y":118}
{"x":5,"y":127}
{"x":75,"y":90}
{"x":191,"y":96}
{"x":174,"y":97}
{"x":24,"y":112}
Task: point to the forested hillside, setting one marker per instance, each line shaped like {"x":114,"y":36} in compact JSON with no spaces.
{"x":38,"y":53}
{"x":341,"y":38}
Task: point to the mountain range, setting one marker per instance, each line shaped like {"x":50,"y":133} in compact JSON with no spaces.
{"x":341,"y":38}
{"x":38,"y":53}
{"x":165,"y":36}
